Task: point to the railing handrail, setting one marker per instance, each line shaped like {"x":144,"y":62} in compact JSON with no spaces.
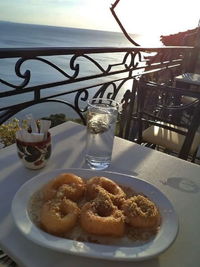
{"x":53,"y":51}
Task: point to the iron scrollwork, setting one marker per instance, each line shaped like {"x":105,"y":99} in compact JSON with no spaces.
{"x":106,"y":80}
{"x":26,"y":76}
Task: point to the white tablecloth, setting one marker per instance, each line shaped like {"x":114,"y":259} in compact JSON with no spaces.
{"x":177,"y":179}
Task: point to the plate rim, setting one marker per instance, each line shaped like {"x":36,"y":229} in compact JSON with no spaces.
{"x":80,"y":248}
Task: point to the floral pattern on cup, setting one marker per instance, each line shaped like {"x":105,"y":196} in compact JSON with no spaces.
{"x":34,"y":155}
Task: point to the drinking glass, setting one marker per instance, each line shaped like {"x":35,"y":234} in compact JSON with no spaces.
{"x":101,"y":122}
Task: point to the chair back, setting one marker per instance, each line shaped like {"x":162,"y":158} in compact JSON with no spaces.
{"x":162,"y":106}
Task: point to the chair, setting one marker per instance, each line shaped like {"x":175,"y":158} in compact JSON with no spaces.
{"x":165,"y":122}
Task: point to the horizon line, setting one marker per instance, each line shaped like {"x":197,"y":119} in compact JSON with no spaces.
{"x":70,"y":27}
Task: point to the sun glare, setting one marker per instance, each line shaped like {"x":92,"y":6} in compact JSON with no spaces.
{"x":153,"y":17}
{"x":158,"y":17}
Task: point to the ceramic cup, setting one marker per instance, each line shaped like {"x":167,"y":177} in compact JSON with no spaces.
{"x":34,"y":155}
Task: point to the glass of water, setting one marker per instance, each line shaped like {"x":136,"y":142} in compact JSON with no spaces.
{"x":101,"y":122}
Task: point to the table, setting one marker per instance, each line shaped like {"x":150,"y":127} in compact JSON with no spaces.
{"x":187,"y":79}
{"x":179,"y":180}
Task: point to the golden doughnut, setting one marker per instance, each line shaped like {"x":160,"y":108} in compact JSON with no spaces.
{"x":140,"y":212}
{"x":64,"y":185}
{"x":58,"y":217}
{"x":102,"y":209}
{"x":101,"y":217}
{"x":96,"y":184}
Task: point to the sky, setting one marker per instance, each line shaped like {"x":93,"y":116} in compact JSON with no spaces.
{"x":140,"y":17}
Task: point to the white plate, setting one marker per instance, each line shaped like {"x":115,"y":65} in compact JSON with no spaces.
{"x":163,"y":239}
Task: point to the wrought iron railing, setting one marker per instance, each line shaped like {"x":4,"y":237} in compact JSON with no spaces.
{"x":65,"y":72}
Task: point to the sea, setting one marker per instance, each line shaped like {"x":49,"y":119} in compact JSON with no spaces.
{"x":18,"y":35}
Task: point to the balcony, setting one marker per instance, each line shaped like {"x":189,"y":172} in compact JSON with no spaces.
{"x":83,"y":74}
